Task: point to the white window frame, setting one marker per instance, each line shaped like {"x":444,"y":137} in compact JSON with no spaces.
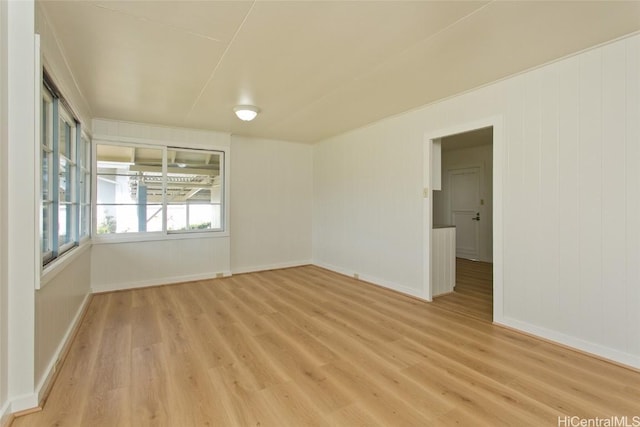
{"x":71,"y":158}
{"x":223,"y":231}
{"x":51,"y":260}
{"x":46,"y":150}
{"x":84,"y":181}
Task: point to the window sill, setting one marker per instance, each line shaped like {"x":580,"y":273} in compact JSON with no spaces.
{"x":51,"y":270}
{"x":153,"y":237}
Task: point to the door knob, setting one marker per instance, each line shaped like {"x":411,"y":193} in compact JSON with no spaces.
{"x":477,"y":217}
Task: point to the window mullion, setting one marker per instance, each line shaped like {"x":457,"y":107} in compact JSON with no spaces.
{"x":164,"y":189}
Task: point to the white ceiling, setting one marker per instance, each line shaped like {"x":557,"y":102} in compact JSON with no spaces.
{"x":314,"y":68}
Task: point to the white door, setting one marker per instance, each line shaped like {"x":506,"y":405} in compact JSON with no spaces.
{"x":464,"y":197}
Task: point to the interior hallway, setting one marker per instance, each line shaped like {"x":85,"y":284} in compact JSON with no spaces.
{"x":473,"y":293}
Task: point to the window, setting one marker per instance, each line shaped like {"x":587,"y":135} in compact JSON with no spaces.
{"x":67,"y":201}
{"x":146,"y":189}
{"x":194,"y":190}
{"x":84,"y":185}
{"x":46,"y":182}
{"x":65,"y":178}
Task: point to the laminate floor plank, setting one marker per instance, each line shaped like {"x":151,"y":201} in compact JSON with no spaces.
{"x":308,"y":347}
{"x":473,"y":292}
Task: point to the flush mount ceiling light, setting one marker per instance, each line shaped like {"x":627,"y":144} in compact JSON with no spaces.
{"x":246,"y":112}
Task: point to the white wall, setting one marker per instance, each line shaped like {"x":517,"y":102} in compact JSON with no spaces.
{"x":367,"y":207}
{"x":571,"y":239}
{"x":39,"y":322}
{"x":271,"y":203}
{"x":465,"y":158}
{"x":56,"y":65}
{"x":59,"y":304}
{"x":175,"y":258}
{"x":21,"y":261}
{"x":4,"y":230}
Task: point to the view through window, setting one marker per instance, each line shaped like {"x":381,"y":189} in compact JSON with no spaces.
{"x":143,"y":189}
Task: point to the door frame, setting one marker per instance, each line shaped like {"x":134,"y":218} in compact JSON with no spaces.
{"x":499,"y":155}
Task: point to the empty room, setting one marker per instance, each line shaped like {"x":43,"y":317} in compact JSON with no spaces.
{"x":319,"y":213}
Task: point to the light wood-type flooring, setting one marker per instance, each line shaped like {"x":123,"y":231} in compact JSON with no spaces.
{"x":473,"y":293}
{"x":308,"y":347}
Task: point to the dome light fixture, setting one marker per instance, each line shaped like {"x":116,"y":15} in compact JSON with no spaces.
{"x":246,"y":112}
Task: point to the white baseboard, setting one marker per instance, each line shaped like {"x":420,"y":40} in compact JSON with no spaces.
{"x":276,"y":266}
{"x":374,"y":280}
{"x":24,"y":403}
{"x":110,"y":287}
{"x":5,"y":414}
{"x":613,"y":355}
{"x":49,"y":373}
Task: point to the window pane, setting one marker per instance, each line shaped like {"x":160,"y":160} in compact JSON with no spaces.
{"x":137,"y":218}
{"x":47,"y":228}
{"x":194,"y":189}
{"x":85,"y":221}
{"x":65,"y":181}
{"x":129,"y":189}
{"x":47,"y":119}
{"x":193,"y":216}
{"x":86,"y":189}
{"x":87,"y":153}
{"x":46,"y":176}
{"x":64,"y":224}
{"x":64,"y":138}
{"x":45,"y":235}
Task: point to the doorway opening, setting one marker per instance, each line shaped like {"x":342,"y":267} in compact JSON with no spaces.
{"x":461,"y":224}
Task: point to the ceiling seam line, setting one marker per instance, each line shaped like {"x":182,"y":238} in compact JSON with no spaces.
{"x":215,"y":69}
{"x":274,"y":126}
{"x":153,"y":21}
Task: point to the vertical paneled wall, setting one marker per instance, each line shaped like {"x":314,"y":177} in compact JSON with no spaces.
{"x":21,"y":237}
{"x":443,"y":260}
{"x":271,"y":190}
{"x":571,"y":191}
{"x":367,"y":207}
{"x":4,"y":221}
{"x":59,"y":304}
{"x":571,"y":243}
{"x":65,"y":287}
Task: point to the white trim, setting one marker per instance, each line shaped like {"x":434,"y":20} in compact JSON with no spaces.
{"x":154,"y":236}
{"x":374,"y":280}
{"x":159,"y":142}
{"x":164,"y":146}
{"x":24,"y":402}
{"x":55,"y":267}
{"x":497,"y":122}
{"x":427,"y":217}
{"x":38,"y":156}
{"x":52,"y":368}
{"x":615,"y":356}
{"x":5,"y":414}
{"x":276,"y":266}
{"x":157,"y":282}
